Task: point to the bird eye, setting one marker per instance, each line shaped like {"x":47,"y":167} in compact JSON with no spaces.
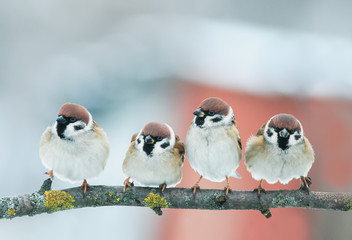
{"x":159,"y":138}
{"x":211,"y":113}
{"x":73,"y":119}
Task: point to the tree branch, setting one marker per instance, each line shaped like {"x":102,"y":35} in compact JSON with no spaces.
{"x":49,"y":201}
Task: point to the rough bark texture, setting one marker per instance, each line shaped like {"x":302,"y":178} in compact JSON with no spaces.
{"x":181,"y":198}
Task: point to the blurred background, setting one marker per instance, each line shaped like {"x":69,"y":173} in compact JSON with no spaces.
{"x":131,"y":62}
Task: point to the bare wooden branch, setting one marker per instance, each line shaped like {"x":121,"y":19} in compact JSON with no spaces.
{"x":47,"y":201}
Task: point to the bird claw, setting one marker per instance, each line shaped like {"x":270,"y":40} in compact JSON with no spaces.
{"x":196,"y":186}
{"x":194,"y":189}
{"x":309,"y":181}
{"x":227,"y":190}
{"x":50,"y":174}
{"x":259,"y":191}
{"x":304,"y":189}
{"x":162,"y":187}
{"x":127,"y":184}
{"x":305,"y":184}
{"x":85,"y":185}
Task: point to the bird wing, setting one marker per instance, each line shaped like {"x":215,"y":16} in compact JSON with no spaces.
{"x":103,"y":138}
{"x":133,"y":140}
{"x":179,"y":148}
{"x":239,"y":141}
{"x":46,"y":137}
{"x":134,"y":137}
{"x":235,"y":136}
{"x":44,"y":140}
{"x":308,"y":152}
{"x":261,"y":131}
{"x":129,"y":153}
{"x":254,"y":147}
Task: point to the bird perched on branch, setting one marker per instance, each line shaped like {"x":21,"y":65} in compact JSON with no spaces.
{"x":155,"y":157}
{"x":75,"y":147}
{"x":213,"y":143}
{"x":279,"y":152}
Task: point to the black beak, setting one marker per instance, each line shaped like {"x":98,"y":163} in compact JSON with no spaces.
{"x":284,"y":133}
{"x":61,"y":120}
{"x":199,"y":112}
{"x":149,"y":140}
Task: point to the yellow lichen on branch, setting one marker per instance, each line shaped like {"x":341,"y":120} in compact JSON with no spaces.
{"x":155,"y":202}
{"x":57,"y":200}
{"x":11,"y":211}
{"x":111,"y":195}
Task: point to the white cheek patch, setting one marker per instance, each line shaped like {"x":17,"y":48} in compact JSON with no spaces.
{"x":71,"y":130}
{"x":295,"y":138}
{"x":139,"y":142}
{"x":208,"y":123}
{"x":270,"y":135}
{"x":158,"y":149}
{"x":165,"y":144}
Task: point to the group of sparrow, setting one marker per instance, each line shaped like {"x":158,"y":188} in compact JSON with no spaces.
{"x":75,"y":148}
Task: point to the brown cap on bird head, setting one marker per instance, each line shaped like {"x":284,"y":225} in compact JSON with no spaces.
{"x":74,"y":110}
{"x":215,"y":104}
{"x":156,"y":129}
{"x":287,"y":121}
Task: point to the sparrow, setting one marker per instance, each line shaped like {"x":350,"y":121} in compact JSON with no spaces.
{"x":279,"y":152}
{"x":75,"y":147}
{"x":213,"y":143}
{"x":155,"y":157}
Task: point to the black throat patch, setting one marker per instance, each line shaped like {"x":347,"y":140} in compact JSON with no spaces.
{"x":283,"y":142}
{"x":60,"y":129}
{"x":199,"y":121}
{"x":148,"y":149}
